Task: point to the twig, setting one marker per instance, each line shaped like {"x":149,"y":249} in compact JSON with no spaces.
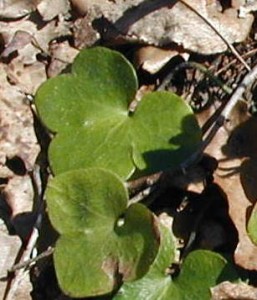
{"x":247,"y":81}
{"x":224,"y":115}
{"x":199,"y":67}
{"x":231,"y":63}
{"x":231,"y":47}
{"x":21,"y":273}
{"x":27,"y":263}
{"x":142,"y":195}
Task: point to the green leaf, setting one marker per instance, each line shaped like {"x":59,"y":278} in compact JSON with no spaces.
{"x":155,"y":284}
{"x":252,"y":225}
{"x":102,"y":242}
{"x":88,"y":111}
{"x":202,"y":270}
{"x":199,"y":272}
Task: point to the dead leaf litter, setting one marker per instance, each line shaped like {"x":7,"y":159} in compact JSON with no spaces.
{"x":39,"y":39}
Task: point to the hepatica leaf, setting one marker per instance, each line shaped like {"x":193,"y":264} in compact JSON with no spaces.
{"x":88,"y":111}
{"x":252,"y":225}
{"x":102,"y":242}
{"x":200,"y":271}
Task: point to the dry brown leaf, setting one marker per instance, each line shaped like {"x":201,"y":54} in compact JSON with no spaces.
{"x":62,"y":54}
{"x":80,"y":5}
{"x":152,"y":59}
{"x":19,"y":36}
{"x":49,"y":9}
{"x":235,"y":151}
{"x":160,"y":24}
{"x":16,"y":8}
{"x":19,"y":194}
{"x":10,"y":246}
{"x":27,"y":78}
{"x":20,"y":39}
{"x":84,"y":34}
{"x":233,"y":291}
{"x":50,"y":32}
{"x":8,"y":30}
{"x":40,"y":38}
{"x":246,"y":8}
{"x":17,"y":140}
{"x":17,"y":134}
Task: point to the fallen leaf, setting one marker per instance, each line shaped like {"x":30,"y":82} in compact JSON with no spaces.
{"x":21,"y":38}
{"x":10,"y":246}
{"x":246,"y":8}
{"x":84,"y":34}
{"x":19,"y":194}
{"x":234,"y":291}
{"x":18,"y":152}
{"x":62,"y":54}
{"x":160,"y":23}
{"x":15,"y":114}
{"x":49,"y":9}
{"x":15,"y":9}
{"x":10,"y":33}
{"x":152,"y":59}
{"x":80,"y":5}
{"x":51,"y":31}
{"x":234,"y":148}
{"x":27,"y":78}
{"x":40,"y":38}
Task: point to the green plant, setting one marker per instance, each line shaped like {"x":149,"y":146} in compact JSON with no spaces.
{"x":252,"y":225}
{"x":201,"y":270}
{"x":105,"y":244}
{"x":89,"y":112}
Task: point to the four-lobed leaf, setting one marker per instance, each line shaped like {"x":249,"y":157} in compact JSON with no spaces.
{"x":102,"y":241}
{"x":89,"y":112}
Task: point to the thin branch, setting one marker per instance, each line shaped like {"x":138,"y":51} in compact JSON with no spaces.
{"x":25,"y":264}
{"x":237,"y":95}
{"x":231,"y":63}
{"x":20,"y":274}
{"x":197,"y":66}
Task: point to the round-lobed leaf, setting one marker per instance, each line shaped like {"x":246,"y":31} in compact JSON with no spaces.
{"x":155,"y":284}
{"x":89,"y":112}
{"x":200,"y":271}
{"x":102,"y":242}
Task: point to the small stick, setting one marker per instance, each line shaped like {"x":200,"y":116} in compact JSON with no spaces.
{"x":21,"y":273}
{"x":199,"y":67}
{"x":245,"y":55}
{"x":27,"y":263}
{"x":247,"y":81}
